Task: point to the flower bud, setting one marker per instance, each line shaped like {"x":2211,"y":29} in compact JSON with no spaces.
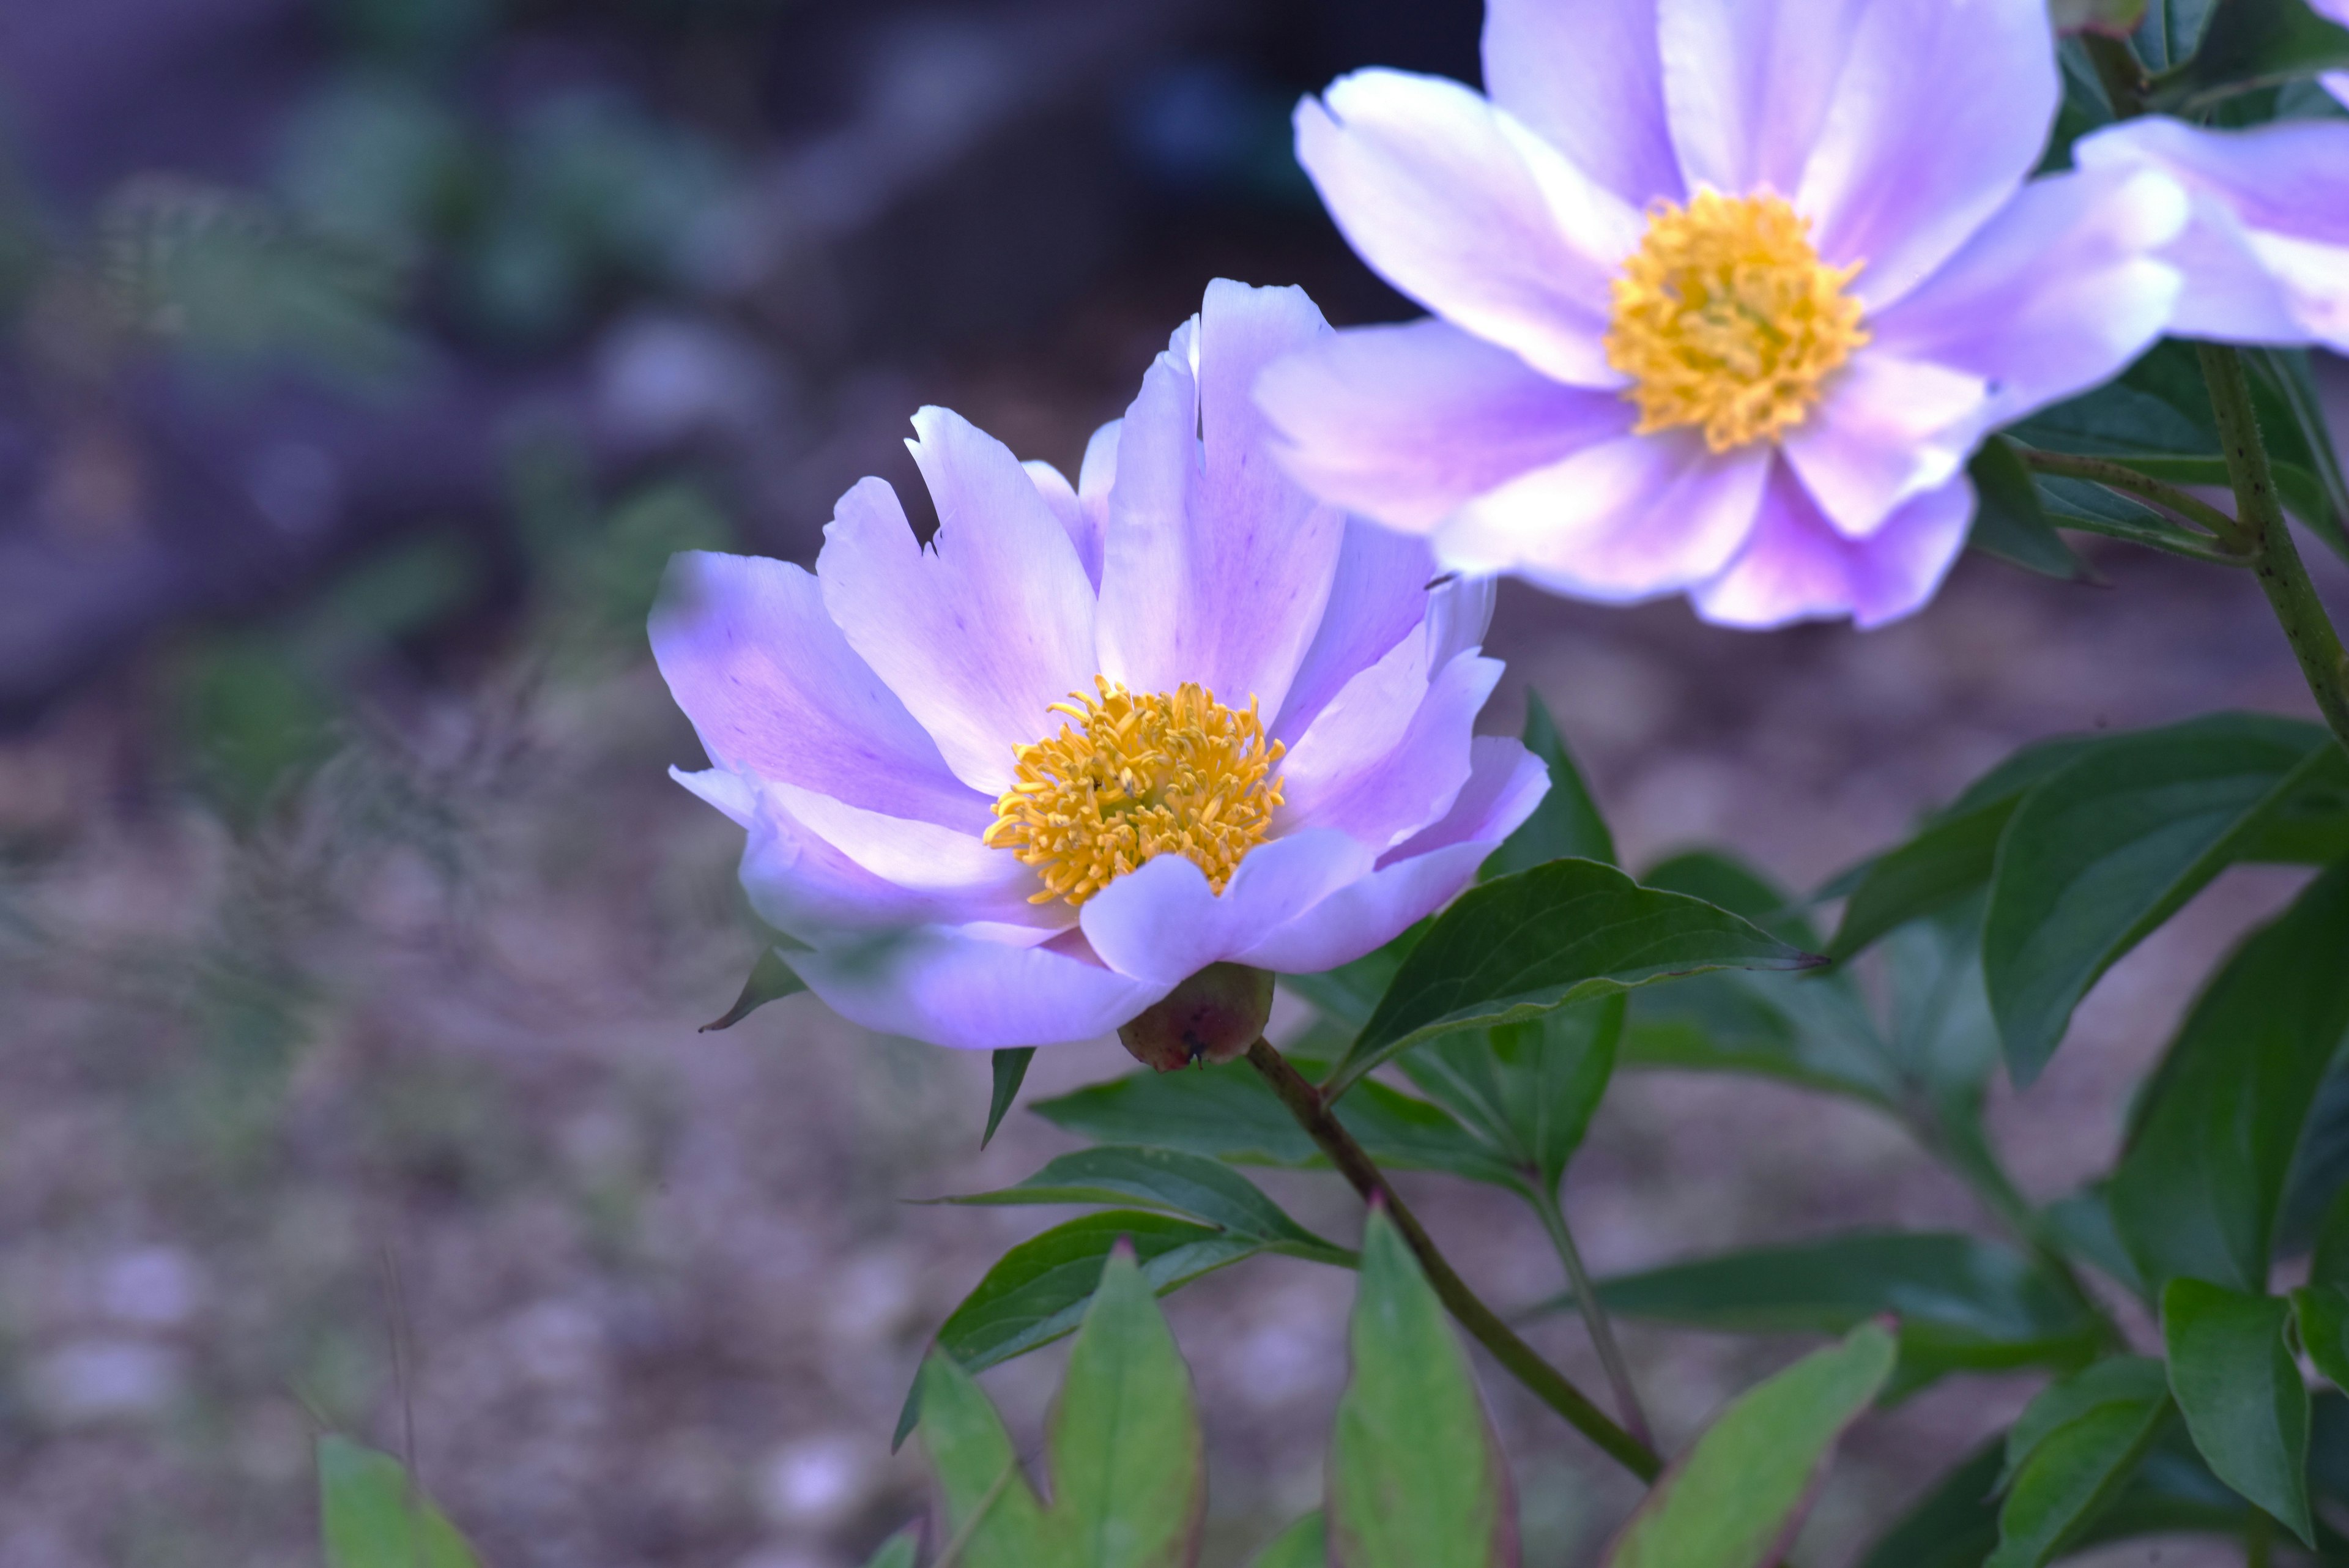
{"x":1213,"y":1017}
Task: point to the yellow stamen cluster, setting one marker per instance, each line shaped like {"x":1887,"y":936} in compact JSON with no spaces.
{"x":1138,"y":776}
{"x":1725,"y":318}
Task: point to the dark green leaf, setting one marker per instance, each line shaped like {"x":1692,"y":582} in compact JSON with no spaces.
{"x":1731,"y":884}
{"x":1735,"y":1499}
{"x":1572,"y":931}
{"x":1302,"y":1545}
{"x":1955,"y":1526}
{"x":2324,"y":1315}
{"x":1415,"y":1476}
{"x":1566,"y":825}
{"x":1349,"y":992}
{"x":2328,"y":1262}
{"x":1036,"y":1292}
{"x":2233,"y":1376}
{"x":988,"y":1503}
{"x":2293,"y":414}
{"x":2113,"y":18}
{"x":2010,"y":523}
{"x":1526,"y":1089}
{"x":2198,"y":1191}
{"x":2110,"y":847}
{"x":2073,"y":1452}
{"x":2083,"y":1226}
{"x":2254,"y":44}
{"x":1011,"y":1070}
{"x":371,"y":1515}
{"x":1943,"y":1037}
{"x":1189,"y":1185}
{"x":770,"y":978}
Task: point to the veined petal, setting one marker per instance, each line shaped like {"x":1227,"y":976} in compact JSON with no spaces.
{"x":1408,"y":423}
{"x":1749,"y":83}
{"x":1382,"y":801}
{"x":951,"y":987}
{"x":1888,"y":429}
{"x":1162,"y":923}
{"x":775,"y":690}
{"x":982,"y":632}
{"x":1626,"y":519}
{"x":1360,"y":725}
{"x":1472,"y":215}
{"x":2054,"y":295}
{"x":2266,"y":253}
{"x":1217,"y":566}
{"x":918,"y":856}
{"x":1798,"y":567}
{"x":1587,"y":78}
{"x":1937,"y":117}
{"x":1378,"y":596}
{"x":1418,"y":877}
{"x":802,"y":884}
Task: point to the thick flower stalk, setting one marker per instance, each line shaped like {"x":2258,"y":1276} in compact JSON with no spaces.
{"x":1013,"y":786}
{"x":1724,"y":294}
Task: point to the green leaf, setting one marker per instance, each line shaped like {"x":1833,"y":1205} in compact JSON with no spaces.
{"x":771,"y":980}
{"x":1415,"y":1476}
{"x":988,"y":1503}
{"x":1955,"y":1526}
{"x":1036,"y":1292}
{"x":2322,"y":1312}
{"x":1129,"y":1462}
{"x":2197,"y":1192}
{"x":2113,"y":18}
{"x":1229,"y":1113}
{"x":2081,"y":1224}
{"x":1952,"y":856}
{"x":2328,"y":1262}
{"x":1348,"y":993}
{"x":1735,"y":1499}
{"x":1566,"y":825}
{"x":2073,"y":1452}
{"x":1527,"y":1089}
{"x":2254,"y":44}
{"x":897,"y":1552}
{"x":2233,"y":1376}
{"x":2113,"y":845}
{"x":1963,"y":1304}
{"x":1186,"y":1184}
{"x":1572,"y":931}
{"x":1302,"y":1545}
{"x":2010,"y":523}
{"x":371,"y":1516}
{"x":1011,"y":1070}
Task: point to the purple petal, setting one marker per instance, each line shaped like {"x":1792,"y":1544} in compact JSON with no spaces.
{"x":1797,"y":567}
{"x":1586,"y":77}
{"x":1749,"y":83}
{"x":1082,"y":526}
{"x":982,"y":632}
{"x":728,"y":792}
{"x":1162,"y":923}
{"x":918,"y":856}
{"x":1217,"y":567}
{"x":1407,"y":423}
{"x":1095,"y":478}
{"x":2266,"y":257}
{"x":1471,"y":215}
{"x":1938,"y":116}
{"x":1888,"y":429}
{"x":1626,"y":519}
{"x":2055,"y":295}
{"x":2337,"y":82}
{"x":1382,"y":799}
{"x":952,"y":987}
{"x":775,"y":690}
{"x":1506,"y":782}
{"x":1378,"y":598}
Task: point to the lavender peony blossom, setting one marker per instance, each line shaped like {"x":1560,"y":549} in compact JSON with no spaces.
{"x":1010,"y":788}
{"x":2266,"y":255}
{"x":1725,"y":292}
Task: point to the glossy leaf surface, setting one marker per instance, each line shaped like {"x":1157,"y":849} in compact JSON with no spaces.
{"x":2253,"y":44}
{"x":2233,"y":1376}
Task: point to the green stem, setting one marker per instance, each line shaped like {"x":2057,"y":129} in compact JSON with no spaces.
{"x":1594,"y":1312}
{"x":2267,"y":538}
{"x":2121,"y":477}
{"x":1550,"y":1385}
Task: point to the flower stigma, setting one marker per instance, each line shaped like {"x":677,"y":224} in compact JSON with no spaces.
{"x":1138,"y":776}
{"x":1727,"y":318}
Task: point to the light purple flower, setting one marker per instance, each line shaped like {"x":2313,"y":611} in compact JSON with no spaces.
{"x":2266,"y":253}
{"x":1725,"y":293}
{"x":875,"y":724}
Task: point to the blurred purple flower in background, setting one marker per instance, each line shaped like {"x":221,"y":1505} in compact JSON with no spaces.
{"x":1725,"y":293}
{"x":1012,"y":787}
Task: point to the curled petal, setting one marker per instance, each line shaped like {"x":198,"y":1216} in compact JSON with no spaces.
{"x":1164,"y":923}
{"x":1382,"y":799}
{"x":1797,"y":566}
{"x":1888,"y":429}
{"x":952,"y":986}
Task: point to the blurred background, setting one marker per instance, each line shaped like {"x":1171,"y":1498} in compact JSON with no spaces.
{"x":364,"y":361}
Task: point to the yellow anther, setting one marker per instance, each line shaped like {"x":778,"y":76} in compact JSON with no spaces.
{"x":1725,"y":318}
{"x":1165,"y":773}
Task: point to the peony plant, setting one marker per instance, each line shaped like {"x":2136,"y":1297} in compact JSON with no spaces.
{"x":1779,"y":304}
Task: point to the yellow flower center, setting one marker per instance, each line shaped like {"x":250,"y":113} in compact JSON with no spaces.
{"x":1727,"y":318}
{"x":1135,"y":777}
